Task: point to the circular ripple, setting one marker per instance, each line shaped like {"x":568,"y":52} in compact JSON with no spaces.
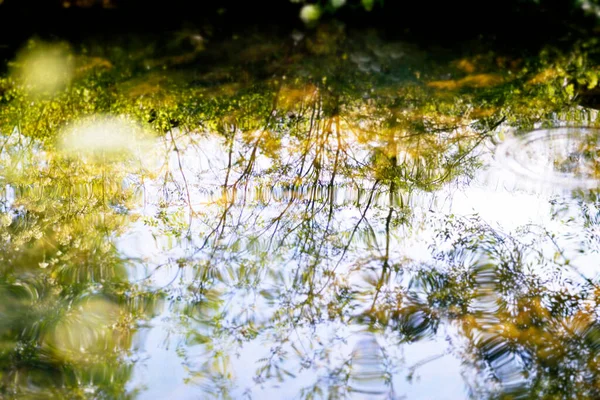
{"x":566,"y":157}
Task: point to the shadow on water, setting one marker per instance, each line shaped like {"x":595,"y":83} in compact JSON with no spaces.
{"x":324,"y":215}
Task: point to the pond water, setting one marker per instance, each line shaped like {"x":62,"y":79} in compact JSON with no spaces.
{"x":327,"y":214}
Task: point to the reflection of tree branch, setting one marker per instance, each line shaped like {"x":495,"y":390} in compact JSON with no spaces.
{"x":566,"y":260}
{"x":331,"y":194}
{"x":482,"y":137}
{"x":425,"y":361}
{"x":185,"y":182}
{"x":362,"y":217}
{"x":229,"y":157}
{"x":386,"y":265}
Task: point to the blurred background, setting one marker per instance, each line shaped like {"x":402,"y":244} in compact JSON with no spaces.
{"x":525,"y":19}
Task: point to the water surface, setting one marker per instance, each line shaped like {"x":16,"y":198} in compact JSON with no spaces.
{"x":324,"y":215}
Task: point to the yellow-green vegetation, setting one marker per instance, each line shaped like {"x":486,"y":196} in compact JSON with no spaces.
{"x":336,"y":135}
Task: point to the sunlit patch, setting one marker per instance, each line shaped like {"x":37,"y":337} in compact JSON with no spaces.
{"x":86,"y":330}
{"x":466,"y":65}
{"x":471,"y":81}
{"x":86,"y":64}
{"x":44,"y":69}
{"x":544,"y":76}
{"x":293,"y":97}
{"x":107,"y":138}
{"x":151,"y":85}
{"x":483,"y":112}
{"x":5,"y":220}
{"x":259,"y":52}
